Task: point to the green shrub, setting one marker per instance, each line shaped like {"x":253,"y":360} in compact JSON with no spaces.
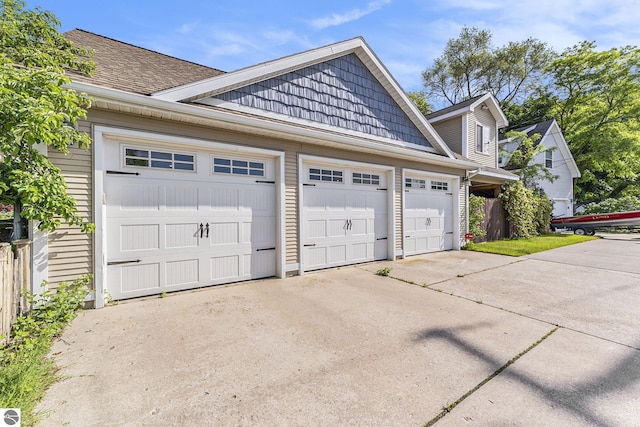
{"x":528,"y":212}
{"x":25,"y":372}
{"x":476,"y":215}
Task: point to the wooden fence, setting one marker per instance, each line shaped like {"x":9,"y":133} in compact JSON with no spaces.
{"x":495,"y":221}
{"x":15,"y":277}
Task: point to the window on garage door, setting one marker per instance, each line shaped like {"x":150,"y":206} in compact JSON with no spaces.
{"x":159,"y":159}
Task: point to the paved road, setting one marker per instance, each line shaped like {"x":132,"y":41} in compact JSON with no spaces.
{"x":348,"y":347}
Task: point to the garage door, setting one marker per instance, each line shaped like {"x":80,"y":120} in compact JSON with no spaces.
{"x":180,"y":219}
{"x":428,"y":214}
{"x":344,"y":215}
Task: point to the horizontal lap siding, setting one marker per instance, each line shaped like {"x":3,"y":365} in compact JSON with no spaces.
{"x":291,"y":206}
{"x":484,"y":118}
{"x":71,"y":250}
{"x":451,"y":132}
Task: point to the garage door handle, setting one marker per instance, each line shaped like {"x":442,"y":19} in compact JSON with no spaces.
{"x":201,"y":230}
{"x":207,"y":229}
{"x":309,"y":245}
{"x":133,"y":261}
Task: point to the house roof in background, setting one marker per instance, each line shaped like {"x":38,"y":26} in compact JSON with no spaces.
{"x":134,"y":69}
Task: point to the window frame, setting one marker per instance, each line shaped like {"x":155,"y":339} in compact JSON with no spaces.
{"x":548,"y":159}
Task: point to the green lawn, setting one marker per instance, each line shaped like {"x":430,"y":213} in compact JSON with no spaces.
{"x":519,"y":247}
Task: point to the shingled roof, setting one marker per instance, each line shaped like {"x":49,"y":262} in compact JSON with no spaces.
{"x":134,"y":69}
{"x":454,"y":107}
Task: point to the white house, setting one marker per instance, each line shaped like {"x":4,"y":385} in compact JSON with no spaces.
{"x":557,"y":159}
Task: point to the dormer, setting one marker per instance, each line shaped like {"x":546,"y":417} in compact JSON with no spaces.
{"x":470,"y":128}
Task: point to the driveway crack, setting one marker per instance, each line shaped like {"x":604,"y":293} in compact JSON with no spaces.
{"x":450,"y":407}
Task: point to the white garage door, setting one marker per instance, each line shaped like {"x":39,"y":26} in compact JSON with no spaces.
{"x":428,"y":214}
{"x":180,"y":219}
{"x":344,"y":215}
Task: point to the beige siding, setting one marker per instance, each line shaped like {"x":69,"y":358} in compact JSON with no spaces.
{"x":291,"y":206}
{"x":451,"y":133}
{"x":71,"y":250}
{"x":291,"y":149}
{"x":484,"y":118}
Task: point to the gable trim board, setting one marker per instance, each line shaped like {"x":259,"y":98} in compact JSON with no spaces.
{"x":487,"y":99}
{"x":198,"y":91}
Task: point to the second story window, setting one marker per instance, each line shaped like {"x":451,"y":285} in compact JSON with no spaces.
{"x":548,"y":159}
{"x":482,"y":139}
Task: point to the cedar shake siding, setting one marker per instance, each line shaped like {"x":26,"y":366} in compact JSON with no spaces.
{"x":341,"y":93}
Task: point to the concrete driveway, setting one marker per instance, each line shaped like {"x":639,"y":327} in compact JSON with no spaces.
{"x":550,"y":339}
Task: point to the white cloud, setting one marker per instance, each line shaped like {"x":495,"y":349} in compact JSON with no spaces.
{"x":352,"y":15}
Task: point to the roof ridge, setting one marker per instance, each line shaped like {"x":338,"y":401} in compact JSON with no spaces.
{"x":144,"y":48}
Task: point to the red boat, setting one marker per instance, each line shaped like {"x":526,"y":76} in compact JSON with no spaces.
{"x":587,"y":224}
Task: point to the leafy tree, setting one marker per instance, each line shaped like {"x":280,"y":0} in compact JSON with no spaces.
{"x":598,"y":111}
{"x":37,"y":108}
{"x":528,"y":211}
{"x":522,"y":159}
{"x":621,"y":204}
{"x":470,"y":65}
{"x":537,"y":108}
{"x":419,"y":99}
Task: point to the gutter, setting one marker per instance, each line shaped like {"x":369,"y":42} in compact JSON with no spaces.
{"x":233,"y":121}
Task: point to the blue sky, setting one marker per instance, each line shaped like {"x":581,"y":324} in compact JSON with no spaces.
{"x":405,"y":34}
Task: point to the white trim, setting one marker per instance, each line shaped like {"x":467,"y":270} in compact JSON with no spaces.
{"x":465,"y":136}
{"x":264,"y":71}
{"x":146,"y":106}
{"x":494,"y":107}
{"x":455,"y":182}
{"x":300,"y":122}
{"x":99,"y":203}
{"x":304,"y":159}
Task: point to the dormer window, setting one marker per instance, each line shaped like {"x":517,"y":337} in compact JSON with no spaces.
{"x":482,"y":139}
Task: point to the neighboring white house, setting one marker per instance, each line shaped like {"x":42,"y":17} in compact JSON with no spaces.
{"x":557,"y":158}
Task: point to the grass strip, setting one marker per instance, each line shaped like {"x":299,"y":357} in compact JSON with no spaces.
{"x":450,"y":407}
{"x":520,"y":247}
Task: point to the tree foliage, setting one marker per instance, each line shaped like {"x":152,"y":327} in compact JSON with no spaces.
{"x":528,"y":211}
{"x":419,"y":99}
{"x":476,"y":216}
{"x":620,"y":204}
{"x":523,"y":158}
{"x":470,"y":65}
{"x":598,"y":110}
{"x":37,"y":108}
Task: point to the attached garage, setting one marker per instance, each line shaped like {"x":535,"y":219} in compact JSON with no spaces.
{"x":181,"y":217}
{"x":430,"y":212}
{"x":345,"y":213}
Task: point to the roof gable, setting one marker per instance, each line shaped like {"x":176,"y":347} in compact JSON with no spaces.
{"x":469,"y":106}
{"x":341,"y":85}
{"x":340,"y":92}
{"x":134,"y":69}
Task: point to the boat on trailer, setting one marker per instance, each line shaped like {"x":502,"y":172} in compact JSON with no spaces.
{"x":587,"y":224}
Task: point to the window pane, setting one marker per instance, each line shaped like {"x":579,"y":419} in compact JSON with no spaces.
{"x":314,"y":177}
{"x":224,"y":162}
{"x":357,"y":180}
{"x":239,"y":171}
{"x":256,"y":165}
{"x":326,"y":178}
{"x":222,"y":169}
{"x":337,"y":173}
{"x":357,"y":175}
{"x":240,"y":163}
{"x":183,"y":166}
{"x":183,"y":158}
{"x":256,"y":172}
{"x":159,"y":155}
{"x":160,"y":164}
{"x":137,"y":153}
{"x":315,"y":171}
{"x":137,"y":162}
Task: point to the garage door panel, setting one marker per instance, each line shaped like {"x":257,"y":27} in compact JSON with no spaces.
{"x":154,"y":242}
{"x":336,"y":227}
{"x":337,"y":254}
{"x":316,"y":257}
{"x":181,"y":236}
{"x":182,"y":272}
{"x":362,"y":251}
{"x":317,"y":229}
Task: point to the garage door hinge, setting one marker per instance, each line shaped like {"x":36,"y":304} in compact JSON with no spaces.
{"x":381,"y":238}
{"x":133,"y":261}
{"x":309,"y":185}
{"x":265,"y":249}
{"x":449,"y":232}
{"x":122,"y":173}
{"x":309,"y":245}
{"x":381,"y":189}
{"x":265,"y":182}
